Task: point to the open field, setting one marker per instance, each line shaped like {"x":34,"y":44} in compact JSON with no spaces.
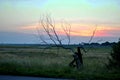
{"x":33,"y":61}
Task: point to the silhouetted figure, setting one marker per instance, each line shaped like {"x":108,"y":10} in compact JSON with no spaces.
{"x":77,"y":61}
{"x":74,"y":61}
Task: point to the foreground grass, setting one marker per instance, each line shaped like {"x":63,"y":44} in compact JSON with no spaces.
{"x":32,"y":61}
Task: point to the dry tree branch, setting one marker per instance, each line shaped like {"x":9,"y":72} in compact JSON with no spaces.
{"x":91,"y":38}
{"x":45,"y":23}
{"x":41,"y":37}
{"x":93,"y":34}
{"x":49,"y":28}
{"x":67,"y":29}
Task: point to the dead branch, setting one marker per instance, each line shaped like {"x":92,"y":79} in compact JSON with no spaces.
{"x":92,"y":34}
{"x":49,"y":27}
{"x":67,"y":29}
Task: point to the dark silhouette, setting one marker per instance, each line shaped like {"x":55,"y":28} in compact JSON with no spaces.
{"x":80,"y":55}
{"x":51,"y":36}
{"x":77,"y":61}
{"x":114,"y":60}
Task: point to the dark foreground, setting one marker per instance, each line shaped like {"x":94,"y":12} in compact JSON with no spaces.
{"x":9,"y":77}
{"x":35,"y":61}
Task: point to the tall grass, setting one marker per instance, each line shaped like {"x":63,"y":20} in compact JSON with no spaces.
{"x":50,"y":63}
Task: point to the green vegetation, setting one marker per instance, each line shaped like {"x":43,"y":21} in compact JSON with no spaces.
{"x":32,"y":61}
{"x":114,"y":61}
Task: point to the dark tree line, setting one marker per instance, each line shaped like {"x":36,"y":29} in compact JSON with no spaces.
{"x":100,"y":44}
{"x":114,"y":60}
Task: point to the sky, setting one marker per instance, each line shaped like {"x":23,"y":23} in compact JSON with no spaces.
{"x":19,"y":19}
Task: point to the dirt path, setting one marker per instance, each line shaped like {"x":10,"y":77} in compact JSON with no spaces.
{"x":9,"y":77}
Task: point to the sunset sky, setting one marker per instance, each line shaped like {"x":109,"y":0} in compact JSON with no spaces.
{"x":19,"y":19}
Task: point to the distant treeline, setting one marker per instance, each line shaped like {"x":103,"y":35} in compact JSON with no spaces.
{"x":52,"y":45}
{"x":101,"y":44}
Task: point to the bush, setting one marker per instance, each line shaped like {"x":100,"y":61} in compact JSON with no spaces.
{"x":114,"y":61}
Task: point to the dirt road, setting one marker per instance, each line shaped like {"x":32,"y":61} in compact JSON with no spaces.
{"x":9,"y":77}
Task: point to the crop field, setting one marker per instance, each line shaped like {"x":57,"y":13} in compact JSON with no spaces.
{"x":54,"y":62}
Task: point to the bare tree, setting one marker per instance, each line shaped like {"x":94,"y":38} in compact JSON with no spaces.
{"x":49,"y":28}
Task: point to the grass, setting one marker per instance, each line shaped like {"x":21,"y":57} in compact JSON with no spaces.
{"x":32,"y":61}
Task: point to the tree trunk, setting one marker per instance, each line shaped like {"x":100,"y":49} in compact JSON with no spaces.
{"x":77,"y":61}
{"x":80,"y":55}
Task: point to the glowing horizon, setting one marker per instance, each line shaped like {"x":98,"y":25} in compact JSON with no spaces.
{"x":83,"y":16}
{"x":76,"y":30}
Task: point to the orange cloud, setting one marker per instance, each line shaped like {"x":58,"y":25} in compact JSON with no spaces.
{"x":107,"y":31}
{"x":80,"y":29}
{"x":28,"y":27}
{"x":101,"y":31}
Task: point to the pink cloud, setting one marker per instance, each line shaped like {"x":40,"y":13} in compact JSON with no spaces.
{"x":80,"y":29}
